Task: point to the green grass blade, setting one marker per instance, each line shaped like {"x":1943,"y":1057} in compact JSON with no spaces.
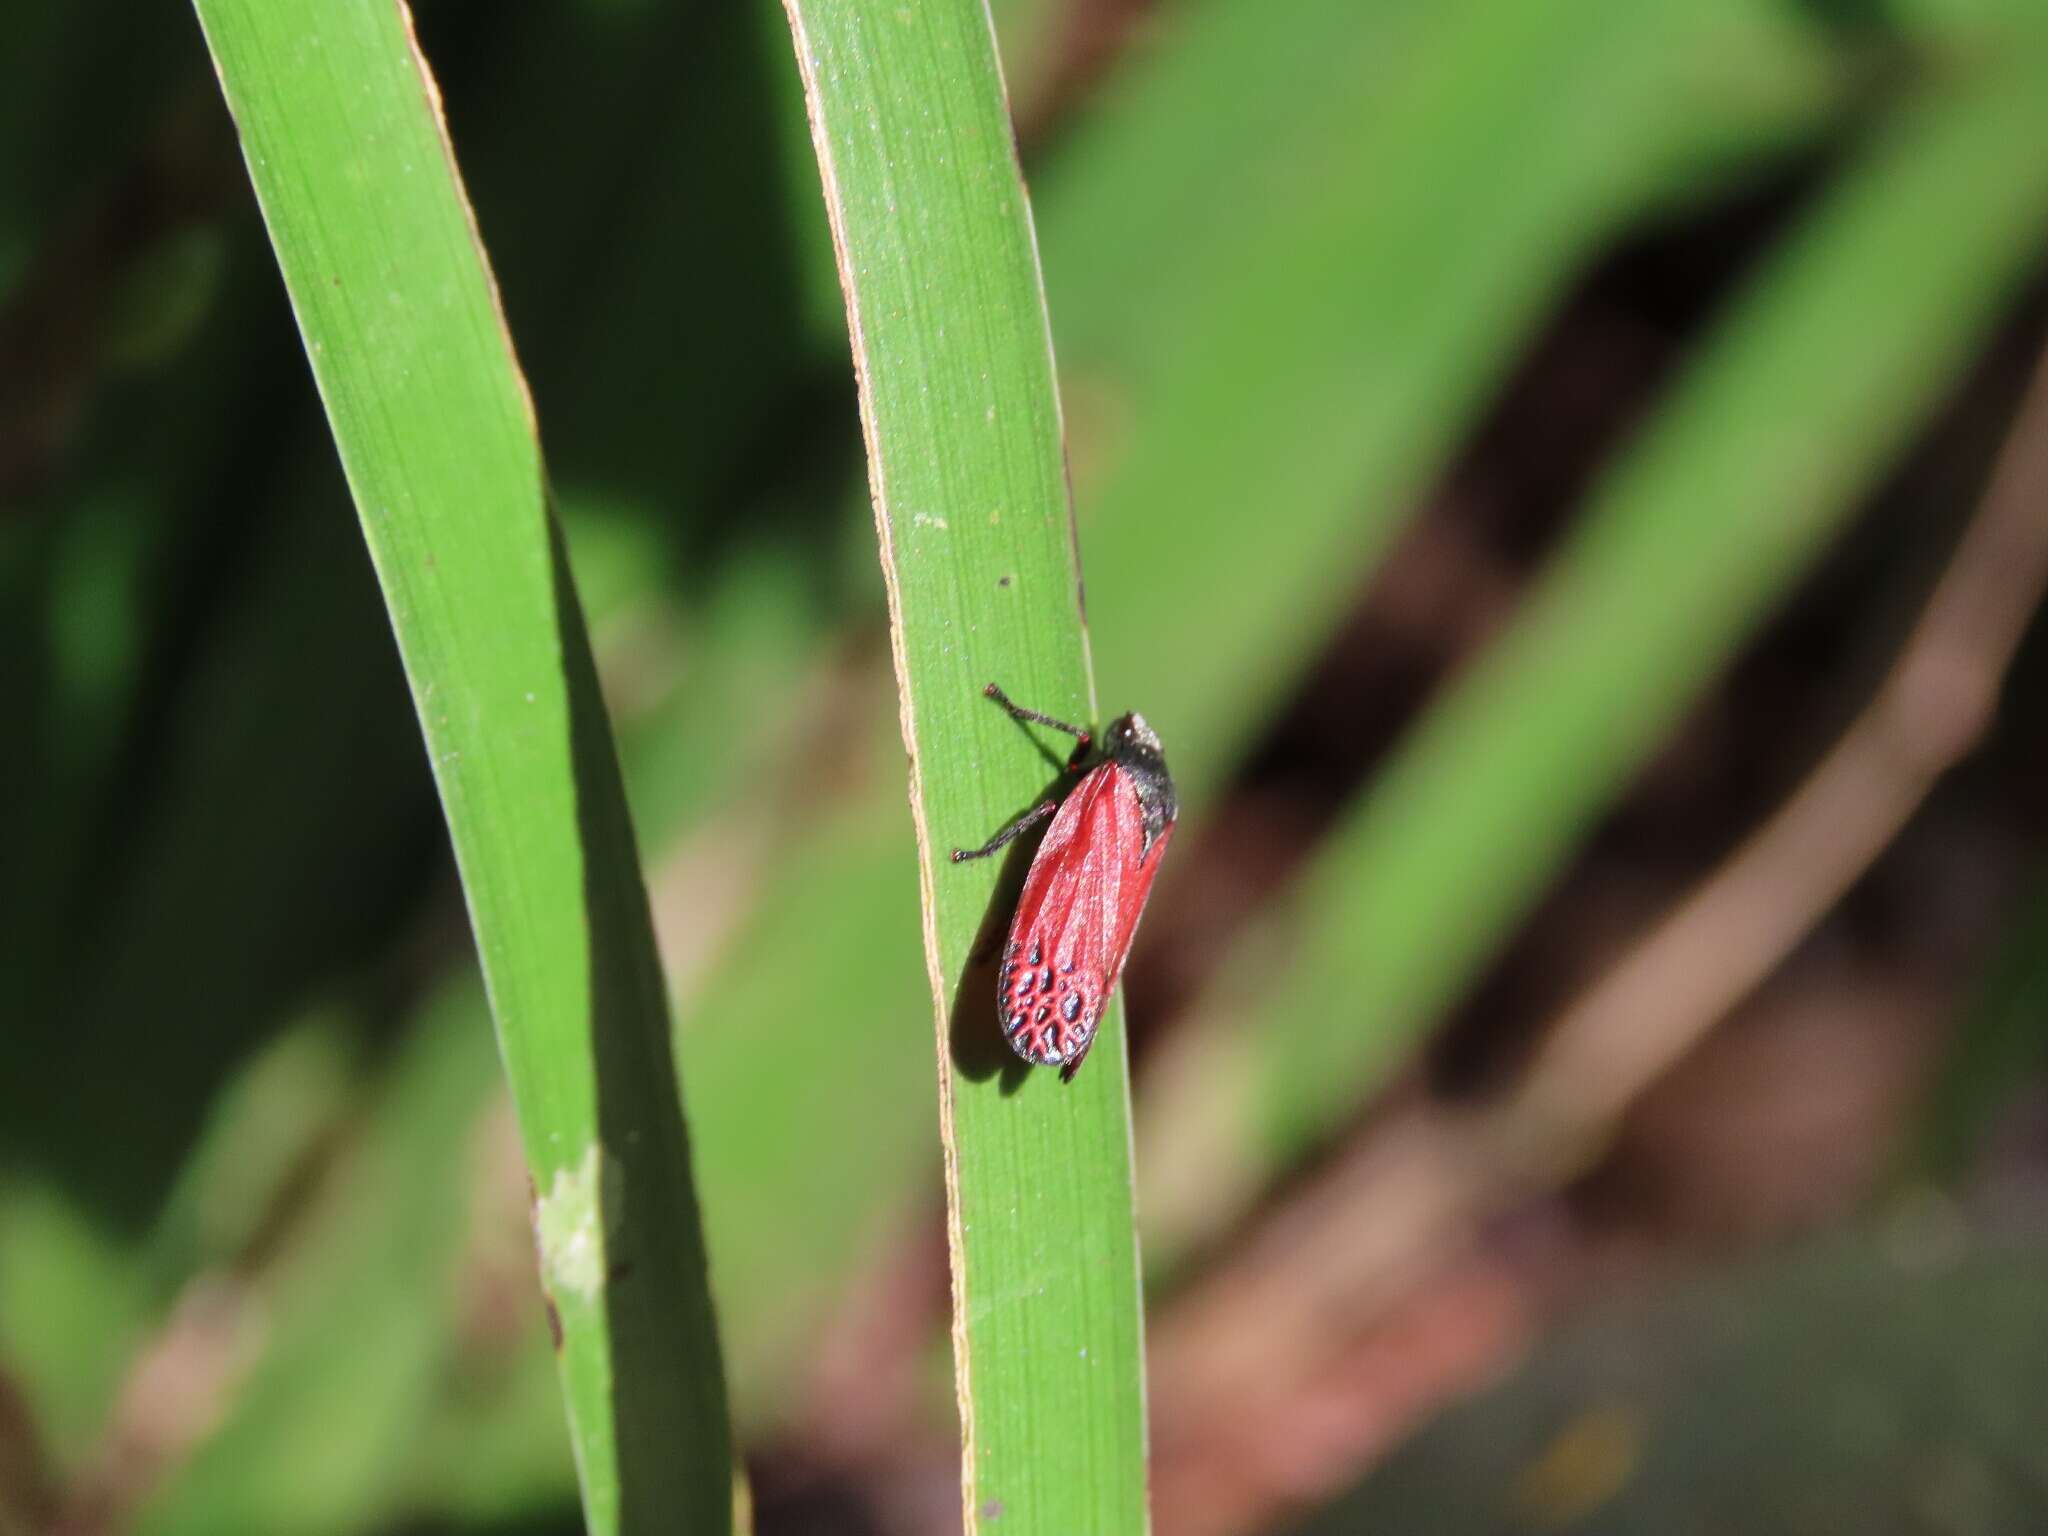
{"x":1803,"y":398}
{"x":962,"y":419}
{"x":341,"y":132}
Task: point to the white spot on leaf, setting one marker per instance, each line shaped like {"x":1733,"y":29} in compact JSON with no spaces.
{"x":570,"y":1226}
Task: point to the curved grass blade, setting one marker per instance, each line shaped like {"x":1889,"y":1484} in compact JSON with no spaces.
{"x":341,"y":130}
{"x":947,"y":317}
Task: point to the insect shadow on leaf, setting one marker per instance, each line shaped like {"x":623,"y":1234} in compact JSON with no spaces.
{"x":974,"y":1037}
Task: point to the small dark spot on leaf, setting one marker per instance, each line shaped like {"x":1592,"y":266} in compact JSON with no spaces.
{"x":554,"y":1321}
{"x":1002,"y":581}
{"x":992,"y":1510}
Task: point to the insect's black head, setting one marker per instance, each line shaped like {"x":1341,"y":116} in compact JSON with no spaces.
{"x":1130,"y":739}
{"x":1134,"y":747}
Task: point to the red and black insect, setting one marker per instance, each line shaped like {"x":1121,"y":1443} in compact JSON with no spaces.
{"x":1087,"y":886}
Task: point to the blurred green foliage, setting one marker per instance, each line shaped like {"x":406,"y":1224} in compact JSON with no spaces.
{"x":1289,"y":267}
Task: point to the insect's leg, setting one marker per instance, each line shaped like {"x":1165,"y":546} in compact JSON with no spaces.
{"x":1009,"y":834}
{"x":1019,"y":712}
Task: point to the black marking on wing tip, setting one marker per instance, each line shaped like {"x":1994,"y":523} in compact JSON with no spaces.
{"x":1016,"y":991}
{"x":1083,"y":1037}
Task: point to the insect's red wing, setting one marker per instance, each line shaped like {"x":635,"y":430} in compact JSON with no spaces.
{"x":1075,"y":920}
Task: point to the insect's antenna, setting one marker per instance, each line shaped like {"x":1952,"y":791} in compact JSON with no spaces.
{"x":1019,"y":712}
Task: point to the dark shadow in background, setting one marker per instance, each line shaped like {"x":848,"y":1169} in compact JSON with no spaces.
{"x":241,"y":819}
{"x":659,"y":251}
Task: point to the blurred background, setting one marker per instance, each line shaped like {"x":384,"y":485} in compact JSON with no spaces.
{"x":1560,"y":477}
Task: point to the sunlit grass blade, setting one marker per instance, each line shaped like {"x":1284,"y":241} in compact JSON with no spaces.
{"x":965,"y":463}
{"x":340,"y":128}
